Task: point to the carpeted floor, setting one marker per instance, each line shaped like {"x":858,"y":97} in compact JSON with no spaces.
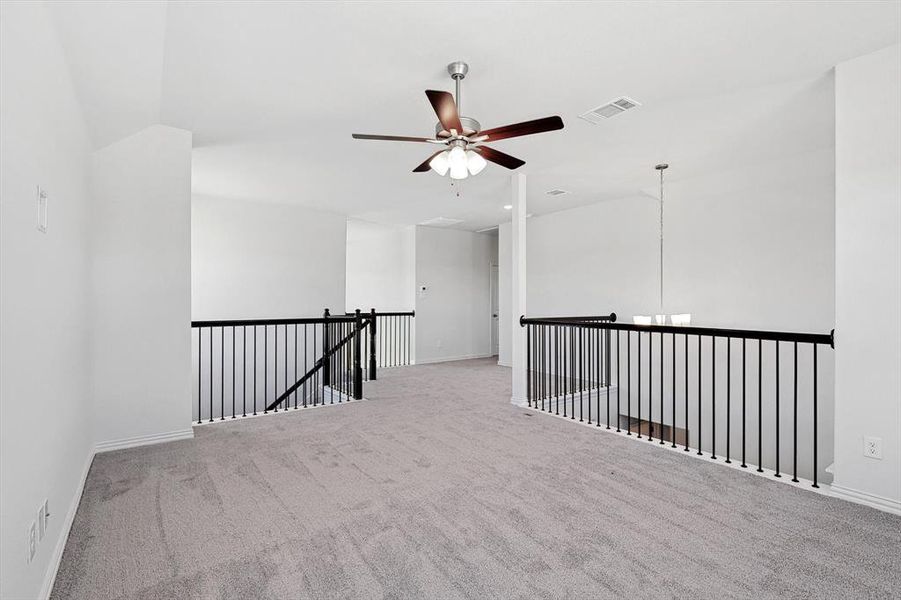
{"x":439,"y":488}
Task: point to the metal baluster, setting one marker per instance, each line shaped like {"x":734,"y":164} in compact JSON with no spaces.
{"x":744,"y":390}
{"x":529,"y":351}
{"x":700,"y":439}
{"x":713,"y":397}
{"x":795,"y":436}
{"x":254,"y":369}
{"x":662,"y":419}
{"x":199,"y":372}
{"x":728,"y":399}
{"x":211,"y":374}
{"x":760,"y":406}
{"x":244,"y":371}
{"x":673,"y":432}
{"x":233,"y":372}
{"x":619,"y":383}
{"x":606,"y":379}
{"x":639,"y":389}
{"x":265,"y":368}
{"x":557,"y":369}
{"x":815,"y":416}
{"x":778,"y":474}
{"x":581,"y":381}
{"x":651,"y":387}
{"x":687,"y":435}
{"x":629,"y":383}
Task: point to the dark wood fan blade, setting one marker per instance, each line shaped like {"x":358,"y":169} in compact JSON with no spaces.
{"x":390,"y":138}
{"x":524,"y":128}
{"x":496,"y":156}
{"x":446,"y":109}
{"x":425,"y":166}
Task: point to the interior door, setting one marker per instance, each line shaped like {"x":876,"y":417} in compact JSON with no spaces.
{"x":494,"y":308}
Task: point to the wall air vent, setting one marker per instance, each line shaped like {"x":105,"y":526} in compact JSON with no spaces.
{"x":611,"y":109}
{"x":441,"y":222}
{"x":556,"y":192}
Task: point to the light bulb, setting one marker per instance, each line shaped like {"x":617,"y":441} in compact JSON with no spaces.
{"x":474,"y":162}
{"x":440,"y":164}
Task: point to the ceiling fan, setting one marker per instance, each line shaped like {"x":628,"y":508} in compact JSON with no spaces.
{"x":462,"y":137}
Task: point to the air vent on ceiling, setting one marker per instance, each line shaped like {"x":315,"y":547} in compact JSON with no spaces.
{"x":556,"y":192}
{"x":611,"y":109}
{"x":441,"y":222}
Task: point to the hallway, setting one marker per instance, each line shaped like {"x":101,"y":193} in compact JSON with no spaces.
{"x":438,"y":487}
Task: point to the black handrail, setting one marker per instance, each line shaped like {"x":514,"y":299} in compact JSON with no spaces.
{"x":261,"y":322}
{"x":611,"y":318}
{"x":748,"y":334}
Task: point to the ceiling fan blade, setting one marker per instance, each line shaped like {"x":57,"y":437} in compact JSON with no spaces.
{"x":518,"y":129}
{"x":390,"y":138}
{"x":446,"y":109}
{"x":425,"y":166}
{"x":496,"y":156}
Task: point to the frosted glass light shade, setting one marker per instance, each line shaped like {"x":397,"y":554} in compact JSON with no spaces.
{"x":457,"y":159}
{"x":440,"y":164}
{"x":474,"y":162}
{"x":641,"y":319}
{"x":661,"y":319}
{"x":681,"y":320}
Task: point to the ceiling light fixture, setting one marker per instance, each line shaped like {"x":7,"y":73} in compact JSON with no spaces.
{"x":508,"y":207}
{"x":463,"y":137}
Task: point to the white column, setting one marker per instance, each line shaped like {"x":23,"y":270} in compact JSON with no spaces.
{"x":518,"y":256}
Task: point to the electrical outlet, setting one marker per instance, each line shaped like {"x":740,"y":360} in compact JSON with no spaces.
{"x":872,"y":447}
{"x":31,"y":543}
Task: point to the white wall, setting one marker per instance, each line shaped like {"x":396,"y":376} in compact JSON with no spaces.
{"x":381,"y":267}
{"x":453,"y":318}
{"x":505,"y":299}
{"x":868,"y":275}
{"x":141,"y":293}
{"x":45,"y":432}
{"x":265,"y":260}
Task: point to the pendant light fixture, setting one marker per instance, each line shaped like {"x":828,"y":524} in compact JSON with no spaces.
{"x":661,"y":316}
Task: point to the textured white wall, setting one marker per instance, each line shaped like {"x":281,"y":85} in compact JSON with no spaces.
{"x":453,"y":319}
{"x":265,"y":260}
{"x":141,"y":293}
{"x":868,"y":273}
{"x":380,"y":266}
{"x":45,"y":410}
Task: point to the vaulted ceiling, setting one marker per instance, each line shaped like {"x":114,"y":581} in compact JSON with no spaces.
{"x":272,"y":91}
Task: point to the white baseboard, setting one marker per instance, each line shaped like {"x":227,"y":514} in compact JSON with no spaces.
{"x":430,"y":361}
{"x":57,"y":556}
{"x":882,"y":503}
{"x":145,"y":440}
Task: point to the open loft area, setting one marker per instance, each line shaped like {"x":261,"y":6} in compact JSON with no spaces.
{"x":320,"y":300}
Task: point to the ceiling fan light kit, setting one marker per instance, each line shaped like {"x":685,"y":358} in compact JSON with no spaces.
{"x":463,"y":137}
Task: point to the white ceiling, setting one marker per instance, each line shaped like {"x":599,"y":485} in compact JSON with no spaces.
{"x":272,"y":91}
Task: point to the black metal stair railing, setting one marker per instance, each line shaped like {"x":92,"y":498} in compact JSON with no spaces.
{"x":639,"y":379}
{"x":246,"y":367}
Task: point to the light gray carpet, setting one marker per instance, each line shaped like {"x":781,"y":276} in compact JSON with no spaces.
{"x":439,"y":488}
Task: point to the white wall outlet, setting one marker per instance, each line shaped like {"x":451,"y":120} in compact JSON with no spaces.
{"x":31,"y":542}
{"x":42,"y":209}
{"x":872,"y":447}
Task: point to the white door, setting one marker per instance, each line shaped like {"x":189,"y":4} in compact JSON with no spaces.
{"x":494,"y":305}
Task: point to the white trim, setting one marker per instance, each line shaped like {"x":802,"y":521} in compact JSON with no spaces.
{"x":345,"y":399}
{"x":145,"y":440}
{"x":57,"y":556}
{"x":888,"y":505}
{"x":431,"y":361}
{"x":804,"y":484}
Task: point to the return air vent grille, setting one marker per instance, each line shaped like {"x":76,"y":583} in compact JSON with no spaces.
{"x":441,"y":222}
{"x":611,"y":109}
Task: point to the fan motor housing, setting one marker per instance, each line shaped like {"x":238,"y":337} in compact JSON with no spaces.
{"x":470,"y":128}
